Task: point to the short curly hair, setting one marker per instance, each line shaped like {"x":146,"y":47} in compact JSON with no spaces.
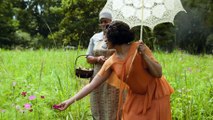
{"x":118,"y":33}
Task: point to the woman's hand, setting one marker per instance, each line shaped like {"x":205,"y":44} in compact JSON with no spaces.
{"x":101,"y":59}
{"x":97,"y":81}
{"x":154,"y":67}
{"x":141,"y":48}
{"x":63,"y":106}
{"x":93,"y":60}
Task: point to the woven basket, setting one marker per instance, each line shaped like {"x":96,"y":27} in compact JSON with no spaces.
{"x":83,"y":72}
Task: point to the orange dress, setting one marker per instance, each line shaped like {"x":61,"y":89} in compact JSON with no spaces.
{"x":148,"y":97}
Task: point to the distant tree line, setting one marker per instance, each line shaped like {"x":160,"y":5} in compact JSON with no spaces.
{"x":58,"y":23}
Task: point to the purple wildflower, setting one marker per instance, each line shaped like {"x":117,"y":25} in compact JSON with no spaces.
{"x":32,"y":97}
{"x":27,"y":106}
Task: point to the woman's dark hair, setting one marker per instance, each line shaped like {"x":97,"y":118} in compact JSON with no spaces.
{"x":118,"y":33}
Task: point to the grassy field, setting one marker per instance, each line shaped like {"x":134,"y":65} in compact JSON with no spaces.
{"x":32,"y":81}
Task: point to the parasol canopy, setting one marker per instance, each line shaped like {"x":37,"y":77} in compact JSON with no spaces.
{"x":143,"y":12}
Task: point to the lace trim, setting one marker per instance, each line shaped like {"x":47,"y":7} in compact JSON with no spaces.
{"x":170,"y":8}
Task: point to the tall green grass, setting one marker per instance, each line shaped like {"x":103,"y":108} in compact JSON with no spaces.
{"x":50,"y":74}
{"x":192,"y":78}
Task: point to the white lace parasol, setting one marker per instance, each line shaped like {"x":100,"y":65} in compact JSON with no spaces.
{"x":143,"y":12}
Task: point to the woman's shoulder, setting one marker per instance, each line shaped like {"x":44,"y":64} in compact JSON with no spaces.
{"x":108,"y":63}
{"x":98,"y":35}
{"x":111,"y":58}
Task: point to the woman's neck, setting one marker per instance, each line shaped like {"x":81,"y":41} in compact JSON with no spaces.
{"x":122,"y":50}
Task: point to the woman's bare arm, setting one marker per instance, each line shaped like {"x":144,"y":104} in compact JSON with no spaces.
{"x":97,"y":80}
{"x":94,"y":60}
{"x":154,"y":68}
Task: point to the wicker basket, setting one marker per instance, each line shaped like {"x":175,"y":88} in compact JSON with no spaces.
{"x":83,"y":72}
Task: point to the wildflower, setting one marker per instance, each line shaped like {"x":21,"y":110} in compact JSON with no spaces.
{"x":27,"y":106}
{"x":22,"y":111}
{"x":24,"y":94}
{"x":189,"y":69}
{"x":32,"y":97}
{"x":3,"y":111}
{"x":14,"y":84}
{"x":18,"y":107}
{"x":42,"y":97}
{"x":13,"y":105}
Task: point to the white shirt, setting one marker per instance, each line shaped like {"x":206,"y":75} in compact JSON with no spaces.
{"x":96,"y":43}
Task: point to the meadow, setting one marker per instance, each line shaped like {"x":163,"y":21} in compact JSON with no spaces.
{"x":31,"y":82}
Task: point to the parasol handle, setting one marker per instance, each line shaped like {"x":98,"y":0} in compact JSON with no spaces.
{"x":141,"y":31}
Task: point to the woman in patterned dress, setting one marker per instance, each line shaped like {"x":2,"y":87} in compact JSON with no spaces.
{"x":103,"y":99}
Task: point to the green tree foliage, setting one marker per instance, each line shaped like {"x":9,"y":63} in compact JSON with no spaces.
{"x":165,"y":36}
{"x":161,"y":38}
{"x":38,"y":18}
{"x":80,"y":22}
{"x":7,"y":24}
{"x":194,"y":27}
{"x":22,"y":38}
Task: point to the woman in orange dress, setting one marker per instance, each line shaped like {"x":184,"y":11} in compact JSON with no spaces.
{"x":134,"y":69}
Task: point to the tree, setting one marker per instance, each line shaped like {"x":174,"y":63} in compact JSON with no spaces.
{"x":7,"y":24}
{"x":39,"y":18}
{"x":194,"y":27}
{"x":80,"y":22}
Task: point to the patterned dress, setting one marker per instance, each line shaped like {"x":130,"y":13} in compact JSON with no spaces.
{"x":103,"y":99}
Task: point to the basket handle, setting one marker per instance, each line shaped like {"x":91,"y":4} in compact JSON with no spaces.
{"x":77,"y":60}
